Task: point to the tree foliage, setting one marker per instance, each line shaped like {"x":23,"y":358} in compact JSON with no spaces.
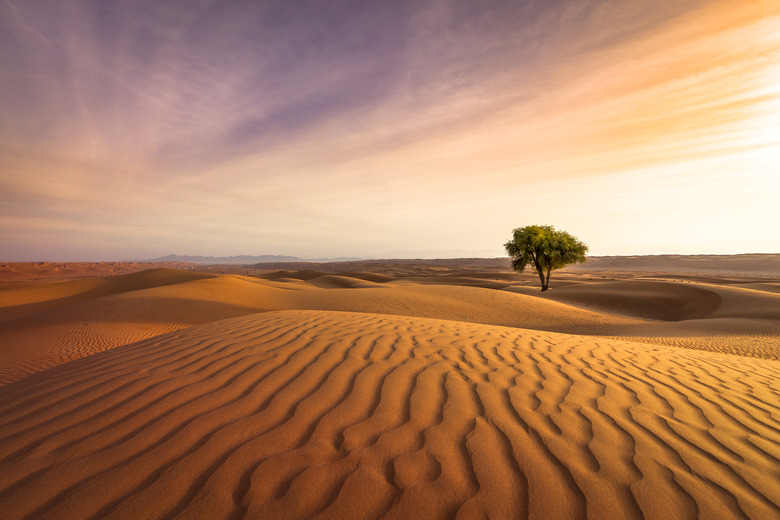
{"x":545,"y":248}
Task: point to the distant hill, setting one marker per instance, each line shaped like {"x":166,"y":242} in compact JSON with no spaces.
{"x":759,"y":264}
{"x":339,"y":265}
{"x":753,"y":264}
{"x":242,"y":259}
{"x":745,"y":264}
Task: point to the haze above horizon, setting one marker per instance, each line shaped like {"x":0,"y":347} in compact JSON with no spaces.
{"x":348,"y":129}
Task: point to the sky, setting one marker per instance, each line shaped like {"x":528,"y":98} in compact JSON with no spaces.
{"x":348,"y":128}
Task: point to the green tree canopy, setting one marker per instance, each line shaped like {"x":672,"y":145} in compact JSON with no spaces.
{"x":545,"y":248}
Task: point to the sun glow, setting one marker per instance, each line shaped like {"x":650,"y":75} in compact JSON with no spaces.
{"x":311,"y":148}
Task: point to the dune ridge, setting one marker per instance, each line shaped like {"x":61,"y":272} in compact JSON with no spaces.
{"x":45,"y":324}
{"x":322,"y":414}
{"x":25,"y":298}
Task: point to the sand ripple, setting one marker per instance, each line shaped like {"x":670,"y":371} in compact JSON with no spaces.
{"x":320,"y":414}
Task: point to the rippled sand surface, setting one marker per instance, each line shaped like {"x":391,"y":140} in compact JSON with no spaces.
{"x":173,"y":394}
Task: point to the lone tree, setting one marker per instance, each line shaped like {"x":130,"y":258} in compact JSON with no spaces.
{"x":545,"y":248}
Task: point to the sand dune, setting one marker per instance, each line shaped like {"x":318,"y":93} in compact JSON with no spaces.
{"x":73,"y":327}
{"x":312,"y":414}
{"x":654,"y":300}
{"x":24,"y":298}
{"x":458,"y":394}
{"x":44,"y":324}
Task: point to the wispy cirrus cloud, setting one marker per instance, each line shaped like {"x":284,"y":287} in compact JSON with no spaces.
{"x":346,"y":128}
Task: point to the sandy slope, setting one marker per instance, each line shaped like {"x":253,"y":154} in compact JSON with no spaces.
{"x":361,"y":395}
{"x":307,"y":414}
{"x":25,"y":298}
{"x":44,"y":324}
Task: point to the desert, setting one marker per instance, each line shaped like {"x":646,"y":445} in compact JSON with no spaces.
{"x":390,"y":390}
{"x":417,"y":259}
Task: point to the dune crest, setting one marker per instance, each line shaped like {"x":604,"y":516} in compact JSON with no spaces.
{"x":311,"y":414}
{"x":45,"y":324}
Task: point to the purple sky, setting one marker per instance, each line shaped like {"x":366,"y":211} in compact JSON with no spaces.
{"x":134,"y":129}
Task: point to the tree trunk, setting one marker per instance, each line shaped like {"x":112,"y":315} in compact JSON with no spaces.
{"x":540,"y":271}
{"x":547,"y":281}
{"x":541,"y":278}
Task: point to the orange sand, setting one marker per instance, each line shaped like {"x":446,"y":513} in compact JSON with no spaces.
{"x":169,"y":393}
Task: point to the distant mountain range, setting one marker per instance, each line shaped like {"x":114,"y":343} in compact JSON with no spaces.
{"x":243,"y":259}
{"x":756,"y":264}
{"x":759,"y":264}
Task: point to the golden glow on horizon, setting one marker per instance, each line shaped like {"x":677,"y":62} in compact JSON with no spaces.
{"x":658,"y":141}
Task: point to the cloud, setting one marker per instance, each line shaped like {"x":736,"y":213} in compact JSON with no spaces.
{"x":348,"y":128}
